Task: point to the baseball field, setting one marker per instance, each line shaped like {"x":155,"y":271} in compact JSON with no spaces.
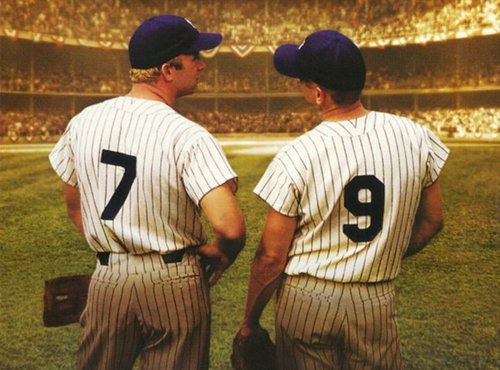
{"x":448,"y":302}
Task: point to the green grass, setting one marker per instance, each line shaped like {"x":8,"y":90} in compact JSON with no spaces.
{"x":447,"y":294}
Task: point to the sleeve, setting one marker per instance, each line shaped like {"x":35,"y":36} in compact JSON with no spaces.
{"x":437,"y":156}
{"x":278,"y":190}
{"x":205,"y":168}
{"x":62,"y":158}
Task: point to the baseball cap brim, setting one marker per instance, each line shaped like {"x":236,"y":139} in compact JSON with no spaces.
{"x":205,"y":41}
{"x":285,"y":60}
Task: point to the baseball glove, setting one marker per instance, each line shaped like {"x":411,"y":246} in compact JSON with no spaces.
{"x":64,"y":299}
{"x":255,"y":352}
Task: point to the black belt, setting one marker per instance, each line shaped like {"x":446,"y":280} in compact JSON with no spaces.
{"x":172,"y":257}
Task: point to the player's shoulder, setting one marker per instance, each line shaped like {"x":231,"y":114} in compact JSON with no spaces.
{"x":89,"y":109}
{"x":297,"y":149}
{"x":396,"y":119}
{"x":307,"y":139}
{"x":96,"y":108}
{"x":186,"y":135}
{"x":413,"y":130}
{"x":85,"y":117}
{"x":291,"y":145}
{"x":189,"y":129}
{"x":400,"y":122}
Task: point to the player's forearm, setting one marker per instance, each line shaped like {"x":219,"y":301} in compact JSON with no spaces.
{"x":73,"y":206}
{"x":76,"y":218}
{"x":264,"y":280}
{"x":428,"y":220}
{"x":423,"y":232}
{"x":269,"y":264}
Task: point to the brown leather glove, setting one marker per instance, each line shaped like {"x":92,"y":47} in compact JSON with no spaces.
{"x":254,"y":352}
{"x":64,"y":299}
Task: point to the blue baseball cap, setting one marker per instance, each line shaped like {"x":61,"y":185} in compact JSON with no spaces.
{"x":328,"y":58}
{"x":161,"y":38}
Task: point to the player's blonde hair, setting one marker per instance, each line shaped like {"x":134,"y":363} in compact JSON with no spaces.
{"x":144,"y":75}
{"x":138,"y":75}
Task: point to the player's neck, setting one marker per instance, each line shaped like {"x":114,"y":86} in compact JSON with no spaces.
{"x":150,"y":92}
{"x":344,"y":112}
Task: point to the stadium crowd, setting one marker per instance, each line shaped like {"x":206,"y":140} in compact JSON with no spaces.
{"x":39,"y":126}
{"x":231,"y":80}
{"x":50,"y":79}
{"x":482,"y":73}
{"x":258,"y":22}
{"x":459,"y":123}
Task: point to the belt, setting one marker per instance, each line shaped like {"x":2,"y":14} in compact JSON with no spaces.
{"x":173,"y":257}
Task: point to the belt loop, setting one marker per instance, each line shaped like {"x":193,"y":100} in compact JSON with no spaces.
{"x":173,"y":257}
{"x":103,"y":258}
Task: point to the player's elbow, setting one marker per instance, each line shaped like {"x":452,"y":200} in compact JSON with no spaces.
{"x":235,"y":239}
{"x":232,"y":236}
{"x":435,"y":224}
{"x":422,"y":234}
{"x":73,"y":211}
{"x":270,"y":259}
{"x":229,"y":225}
{"x":234,"y":231}
{"x":72,"y":197}
{"x":270,"y":263}
{"x":430,"y":228}
{"x":438,"y":226}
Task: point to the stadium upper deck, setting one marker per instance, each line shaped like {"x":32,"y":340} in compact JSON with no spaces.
{"x":109,"y":23}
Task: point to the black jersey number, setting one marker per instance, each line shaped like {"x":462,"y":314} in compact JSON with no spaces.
{"x":374,"y":208}
{"x":128,"y":162}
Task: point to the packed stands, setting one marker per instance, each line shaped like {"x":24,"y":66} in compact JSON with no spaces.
{"x":261,"y":22}
{"x":448,"y":82}
{"x":480,"y":123}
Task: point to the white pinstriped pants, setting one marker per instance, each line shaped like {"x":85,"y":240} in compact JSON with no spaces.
{"x":325,"y":325}
{"x":140,"y":305}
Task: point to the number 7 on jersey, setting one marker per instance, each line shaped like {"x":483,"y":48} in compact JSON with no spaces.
{"x":129,"y":163}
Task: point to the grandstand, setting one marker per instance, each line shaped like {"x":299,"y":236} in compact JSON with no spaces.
{"x":436,"y":61}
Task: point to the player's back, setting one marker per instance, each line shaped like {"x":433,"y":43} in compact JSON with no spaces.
{"x":129,"y":156}
{"x":360,"y":182}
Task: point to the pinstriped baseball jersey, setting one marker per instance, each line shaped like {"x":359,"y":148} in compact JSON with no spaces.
{"x":355,"y":187}
{"x":141,"y":169}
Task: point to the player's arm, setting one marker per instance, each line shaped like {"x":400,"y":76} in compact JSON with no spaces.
{"x":429,"y":219}
{"x":73,"y":207}
{"x":268,"y":265}
{"x":228,"y":224}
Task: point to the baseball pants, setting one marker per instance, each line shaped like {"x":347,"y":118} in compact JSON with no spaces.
{"x":142,"y":305}
{"x":326,"y":325}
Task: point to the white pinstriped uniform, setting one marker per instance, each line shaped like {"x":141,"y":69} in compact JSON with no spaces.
{"x":355,"y":187}
{"x":159,"y":165}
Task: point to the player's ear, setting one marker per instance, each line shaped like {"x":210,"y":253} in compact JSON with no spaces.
{"x":167,"y":71}
{"x":320,"y":95}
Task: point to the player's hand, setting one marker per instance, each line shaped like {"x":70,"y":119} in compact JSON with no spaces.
{"x":247,"y":331}
{"x":214,"y":261}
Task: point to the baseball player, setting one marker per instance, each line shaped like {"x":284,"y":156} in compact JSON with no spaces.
{"x":348,"y":201}
{"x":137,"y":176}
